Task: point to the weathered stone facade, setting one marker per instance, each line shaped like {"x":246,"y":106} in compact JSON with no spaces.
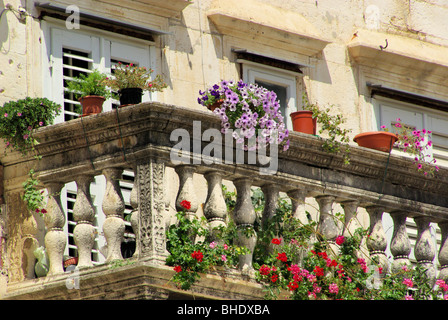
{"x":339,"y":47}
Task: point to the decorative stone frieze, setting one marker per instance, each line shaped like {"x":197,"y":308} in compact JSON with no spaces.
{"x":151,"y":211}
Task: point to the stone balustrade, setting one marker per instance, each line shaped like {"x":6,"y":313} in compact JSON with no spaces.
{"x":138,"y":138}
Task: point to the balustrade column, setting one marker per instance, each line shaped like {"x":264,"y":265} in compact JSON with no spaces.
{"x":113,"y":208}
{"x":327,"y":227}
{"x":400,"y":246}
{"x":215,"y":208}
{"x":55,"y":238}
{"x":186,"y":189}
{"x":271,"y":194}
{"x":151,"y":211}
{"x":298,"y":197}
{"x":351,"y":219}
{"x":351,"y":224}
{"x":443,"y":251}
{"x":376,"y":241}
{"x":84,"y":215}
{"x":244,"y":217}
{"x":424,"y":250}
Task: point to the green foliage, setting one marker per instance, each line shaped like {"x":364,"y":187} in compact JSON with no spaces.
{"x":192,"y":251}
{"x":90,"y":84}
{"x":338,"y":138}
{"x":19,"y":118}
{"x":132,"y":76}
{"x":32,"y":195}
{"x":293,"y":261}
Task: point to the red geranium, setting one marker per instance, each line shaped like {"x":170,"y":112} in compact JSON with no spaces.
{"x":282,"y":257}
{"x":186,"y":204}
{"x":318,"y":271}
{"x":276,"y":241}
{"x":178,"y":268}
{"x":340,"y":240}
{"x":293,"y":285}
{"x":197,"y":255}
{"x":264,"y":270}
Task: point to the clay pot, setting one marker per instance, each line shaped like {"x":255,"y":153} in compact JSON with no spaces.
{"x":303,"y":121}
{"x":71,"y":261}
{"x":215,"y":105}
{"x":377,"y":140}
{"x":91,"y":105}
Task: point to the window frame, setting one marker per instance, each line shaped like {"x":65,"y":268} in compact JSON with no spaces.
{"x":101,"y":60}
{"x":253,"y":72}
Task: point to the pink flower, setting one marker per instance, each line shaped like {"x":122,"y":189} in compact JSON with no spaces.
{"x":340,"y":240}
{"x":224,"y":257}
{"x":408,"y":282}
{"x":25,"y":137}
{"x":213,"y":245}
{"x":19,"y":114}
{"x":311,"y":296}
{"x":333,"y":288}
{"x":6,"y":115}
{"x":408,"y":297}
{"x":264,"y":270}
{"x":294,"y":269}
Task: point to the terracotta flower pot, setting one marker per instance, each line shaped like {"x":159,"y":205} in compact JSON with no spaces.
{"x":302,"y":121}
{"x":129,"y":96}
{"x":91,"y":105}
{"x":215,"y":105}
{"x":71,"y":261}
{"x":378,"y":140}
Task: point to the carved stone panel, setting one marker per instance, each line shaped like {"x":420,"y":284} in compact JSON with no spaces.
{"x":151,"y":207}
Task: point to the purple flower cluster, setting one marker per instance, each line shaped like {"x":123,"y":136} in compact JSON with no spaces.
{"x":249,"y":112}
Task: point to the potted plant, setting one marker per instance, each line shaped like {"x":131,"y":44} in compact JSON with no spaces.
{"x":250,"y":111}
{"x":410,"y":140}
{"x":377,"y":140}
{"x":19,"y":119}
{"x":90,"y":91}
{"x":303,"y":121}
{"x":131,"y":81}
{"x":306,"y":121}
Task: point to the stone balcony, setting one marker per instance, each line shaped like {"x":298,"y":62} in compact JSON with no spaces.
{"x":138,"y":138}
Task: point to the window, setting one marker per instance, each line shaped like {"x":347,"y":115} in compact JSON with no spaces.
{"x":282,"y":83}
{"x":417,"y":117}
{"x":70,"y":53}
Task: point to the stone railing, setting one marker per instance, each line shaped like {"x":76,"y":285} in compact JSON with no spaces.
{"x":138,"y":138}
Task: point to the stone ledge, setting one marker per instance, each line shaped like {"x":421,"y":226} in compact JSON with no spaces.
{"x":135,"y":281}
